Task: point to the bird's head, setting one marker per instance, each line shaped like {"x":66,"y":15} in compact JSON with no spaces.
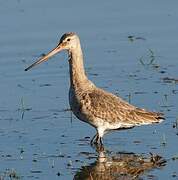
{"x":68,"y":41}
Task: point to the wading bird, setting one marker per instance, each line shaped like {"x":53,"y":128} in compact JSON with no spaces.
{"x":102,"y":110}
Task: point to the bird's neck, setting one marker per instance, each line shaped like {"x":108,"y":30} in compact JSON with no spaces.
{"x":76,"y":67}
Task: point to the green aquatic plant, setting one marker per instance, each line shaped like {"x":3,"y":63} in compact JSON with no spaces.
{"x":151,"y":59}
{"x":170,"y":80}
{"x":163,"y":140}
{"x":129,"y":96}
{"x":23,"y":107}
{"x":175,"y":124}
{"x":175,"y":157}
{"x":132,"y":38}
{"x":10,"y":174}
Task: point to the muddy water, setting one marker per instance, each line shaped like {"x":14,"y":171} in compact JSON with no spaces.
{"x":130,"y":49}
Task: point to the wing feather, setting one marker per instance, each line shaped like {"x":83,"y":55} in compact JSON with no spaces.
{"x":113,"y":109}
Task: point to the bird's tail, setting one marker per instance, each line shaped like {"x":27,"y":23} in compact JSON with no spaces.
{"x":148,"y":117}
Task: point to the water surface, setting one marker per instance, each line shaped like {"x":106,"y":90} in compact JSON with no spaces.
{"x":130,"y":49}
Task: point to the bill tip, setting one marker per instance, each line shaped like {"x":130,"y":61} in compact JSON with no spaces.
{"x":26,"y":69}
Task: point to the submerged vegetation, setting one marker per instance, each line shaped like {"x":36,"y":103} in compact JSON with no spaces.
{"x":149,"y":59}
{"x":23,"y":108}
{"x":10,"y":174}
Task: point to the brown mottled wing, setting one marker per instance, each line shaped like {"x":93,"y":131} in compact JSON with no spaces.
{"x":113,"y":109}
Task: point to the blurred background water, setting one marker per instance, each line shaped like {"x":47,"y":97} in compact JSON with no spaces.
{"x":130,"y":49}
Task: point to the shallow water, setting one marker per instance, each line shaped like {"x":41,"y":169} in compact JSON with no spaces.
{"x":130,"y":49}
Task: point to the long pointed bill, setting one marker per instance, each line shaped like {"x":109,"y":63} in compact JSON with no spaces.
{"x":46,"y":57}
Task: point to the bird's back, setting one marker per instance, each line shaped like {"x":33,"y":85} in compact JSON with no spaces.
{"x":95,"y":104}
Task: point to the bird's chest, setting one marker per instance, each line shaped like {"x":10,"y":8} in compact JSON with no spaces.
{"x":74,"y":100}
{"x":76,"y":104}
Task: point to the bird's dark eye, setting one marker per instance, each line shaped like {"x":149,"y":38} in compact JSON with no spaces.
{"x":68,"y":39}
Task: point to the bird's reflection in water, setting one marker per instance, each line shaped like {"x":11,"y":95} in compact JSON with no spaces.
{"x":122,"y":166}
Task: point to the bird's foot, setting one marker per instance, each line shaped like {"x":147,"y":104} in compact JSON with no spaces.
{"x":97,"y":143}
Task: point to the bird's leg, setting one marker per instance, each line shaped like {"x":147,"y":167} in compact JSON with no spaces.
{"x":97,"y":140}
{"x":99,"y":144}
{"x":100,"y":135}
{"x":93,"y":140}
{"x":101,"y":141}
